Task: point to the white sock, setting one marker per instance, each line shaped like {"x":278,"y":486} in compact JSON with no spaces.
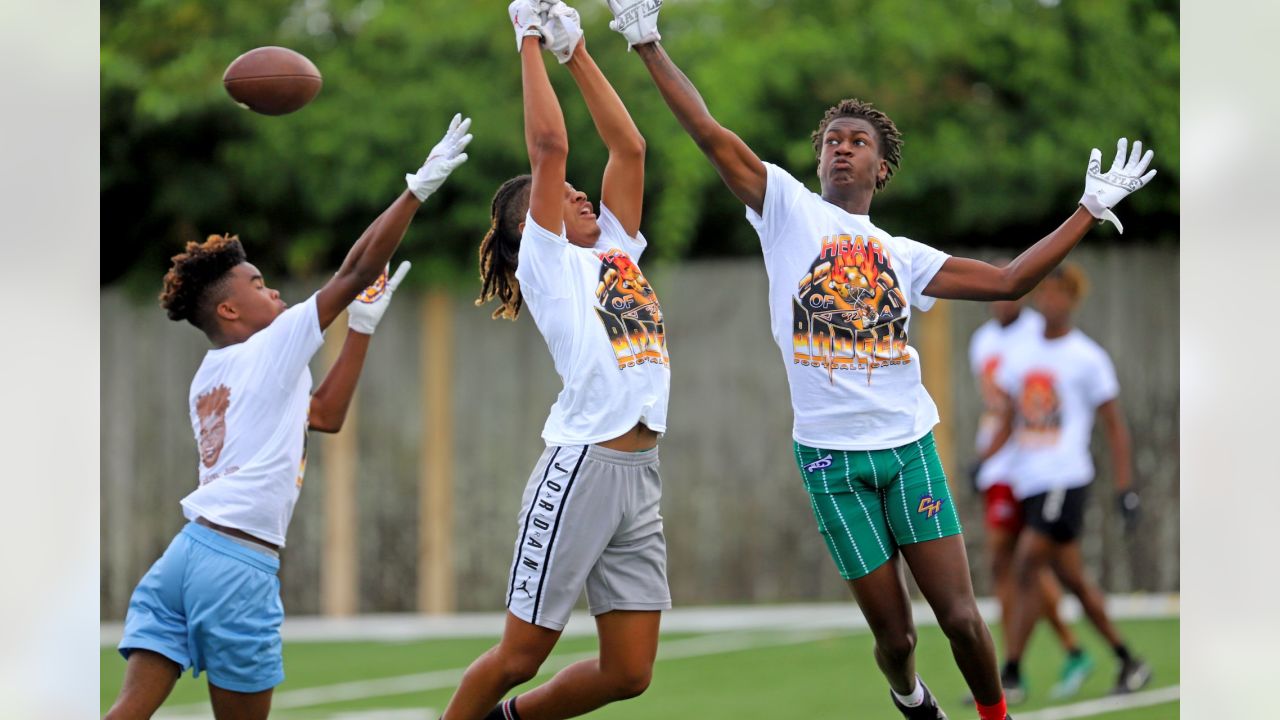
{"x":915,"y":698}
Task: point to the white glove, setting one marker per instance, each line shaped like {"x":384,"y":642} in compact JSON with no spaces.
{"x":637,"y":20}
{"x":526,"y":17}
{"x":446,"y":156}
{"x":364,"y":313}
{"x":1103,"y":191}
{"x":562,"y":30}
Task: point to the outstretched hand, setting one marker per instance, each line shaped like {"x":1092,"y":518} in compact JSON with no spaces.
{"x":443,"y":159}
{"x":1102,"y":191}
{"x":526,"y":19}
{"x":637,"y":20}
{"x":365,"y":312}
{"x":561,"y":29}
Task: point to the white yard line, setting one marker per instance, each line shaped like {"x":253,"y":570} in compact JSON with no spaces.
{"x":1102,"y":706}
{"x":765,"y":626}
{"x":436,"y":680}
{"x":408,"y":627}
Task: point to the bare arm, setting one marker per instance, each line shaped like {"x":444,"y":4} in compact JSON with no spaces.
{"x":545,"y":137}
{"x":330,"y":402}
{"x":367,"y":258}
{"x":968,"y":279}
{"x":1003,"y":433}
{"x":623,"y":186}
{"x":738,"y":166}
{"x":1118,"y":439}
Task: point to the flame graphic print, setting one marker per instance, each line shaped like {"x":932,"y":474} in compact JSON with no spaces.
{"x":1039,"y":409}
{"x":849,"y":311}
{"x":630,"y":311}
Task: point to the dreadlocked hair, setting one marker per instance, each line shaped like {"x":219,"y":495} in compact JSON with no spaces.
{"x":889,"y":136}
{"x":195,"y":281}
{"x":500,"y":249}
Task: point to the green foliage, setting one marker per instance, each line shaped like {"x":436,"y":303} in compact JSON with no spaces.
{"x":999,"y":102}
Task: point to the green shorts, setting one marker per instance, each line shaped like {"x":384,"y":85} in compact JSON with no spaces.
{"x":868,"y":502}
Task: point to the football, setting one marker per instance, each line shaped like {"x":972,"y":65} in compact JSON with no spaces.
{"x":272,"y":80}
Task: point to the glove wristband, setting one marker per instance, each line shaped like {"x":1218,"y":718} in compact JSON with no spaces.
{"x":356,"y":324}
{"x":1103,"y":213}
{"x":417,"y":187}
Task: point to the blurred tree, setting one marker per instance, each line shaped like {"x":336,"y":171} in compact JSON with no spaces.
{"x":999,"y":102}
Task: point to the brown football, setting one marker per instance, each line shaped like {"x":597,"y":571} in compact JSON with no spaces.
{"x":272,"y":80}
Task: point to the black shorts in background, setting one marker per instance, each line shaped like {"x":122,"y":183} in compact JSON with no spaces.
{"x":1058,"y":513}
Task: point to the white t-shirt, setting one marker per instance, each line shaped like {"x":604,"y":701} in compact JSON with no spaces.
{"x":989,"y":344}
{"x":840,"y":291}
{"x":1057,"y":386}
{"x":604,"y":326}
{"x":249,"y":405}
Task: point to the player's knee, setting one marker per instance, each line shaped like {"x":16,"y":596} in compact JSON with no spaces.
{"x":631,"y":683}
{"x":1025,"y":574}
{"x":961,"y":621}
{"x":897,"y":649}
{"x":518,"y":668}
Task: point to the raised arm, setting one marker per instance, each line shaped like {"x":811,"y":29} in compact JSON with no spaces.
{"x":738,"y":166}
{"x":331,"y":401}
{"x":545,"y":137}
{"x":622,"y":189}
{"x":968,"y":279}
{"x":369,"y":256}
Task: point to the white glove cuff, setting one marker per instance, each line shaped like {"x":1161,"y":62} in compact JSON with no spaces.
{"x":1094,"y":205}
{"x":360,"y":324}
{"x":531,"y":31}
{"x":417,"y":187}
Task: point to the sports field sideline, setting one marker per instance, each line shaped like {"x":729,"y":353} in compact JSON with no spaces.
{"x":808,"y":661}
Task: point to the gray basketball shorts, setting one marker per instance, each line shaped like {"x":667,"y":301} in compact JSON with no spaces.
{"x":589,"y":518}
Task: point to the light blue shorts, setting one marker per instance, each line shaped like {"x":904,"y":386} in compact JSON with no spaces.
{"x":214,"y":606}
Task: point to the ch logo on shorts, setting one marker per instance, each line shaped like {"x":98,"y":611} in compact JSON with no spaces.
{"x":819,"y":464}
{"x":929,"y":506}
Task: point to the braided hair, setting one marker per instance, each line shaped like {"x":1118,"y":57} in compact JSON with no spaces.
{"x":889,"y":136}
{"x":196,"y":282}
{"x":500,"y":249}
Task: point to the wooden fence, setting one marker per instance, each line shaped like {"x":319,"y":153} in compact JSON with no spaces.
{"x":413,"y":506}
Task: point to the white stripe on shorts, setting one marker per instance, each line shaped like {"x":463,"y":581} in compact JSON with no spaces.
{"x":541,"y":527}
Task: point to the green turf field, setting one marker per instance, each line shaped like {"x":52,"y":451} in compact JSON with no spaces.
{"x":811,"y":676}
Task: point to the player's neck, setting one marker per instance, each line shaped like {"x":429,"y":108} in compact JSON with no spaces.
{"x":226,"y":337}
{"x":1053,"y":331}
{"x":854,"y":202}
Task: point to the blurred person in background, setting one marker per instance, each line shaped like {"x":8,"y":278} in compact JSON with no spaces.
{"x":840,"y":296}
{"x":1010,"y":325}
{"x":1054,"y":387}
{"x":590,"y":514}
{"x":212,"y":600}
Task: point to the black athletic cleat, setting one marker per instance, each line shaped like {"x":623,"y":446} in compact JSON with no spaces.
{"x":1014,"y":692}
{"x":927,"y":710}
{"x":1134,"y":675}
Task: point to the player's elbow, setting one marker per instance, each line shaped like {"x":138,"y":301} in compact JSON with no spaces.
{"x":318,"y":422}
{"x":548,"y":147}
{"x":708,"y":134}
{"x":1012,"y":285}
{"x":633,"y":148}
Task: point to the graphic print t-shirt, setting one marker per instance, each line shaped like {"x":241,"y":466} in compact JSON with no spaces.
{"x":989,"y":344}
{"x":603,"y":324}
{"x":249,"y":405}
{"x":1056,"y":386}
{"x":840,"y":297}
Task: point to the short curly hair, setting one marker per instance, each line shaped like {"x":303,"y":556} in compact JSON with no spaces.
{"x":890,"y":139}
{"x":1073,"y":280}
{"x":196,"y":282}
